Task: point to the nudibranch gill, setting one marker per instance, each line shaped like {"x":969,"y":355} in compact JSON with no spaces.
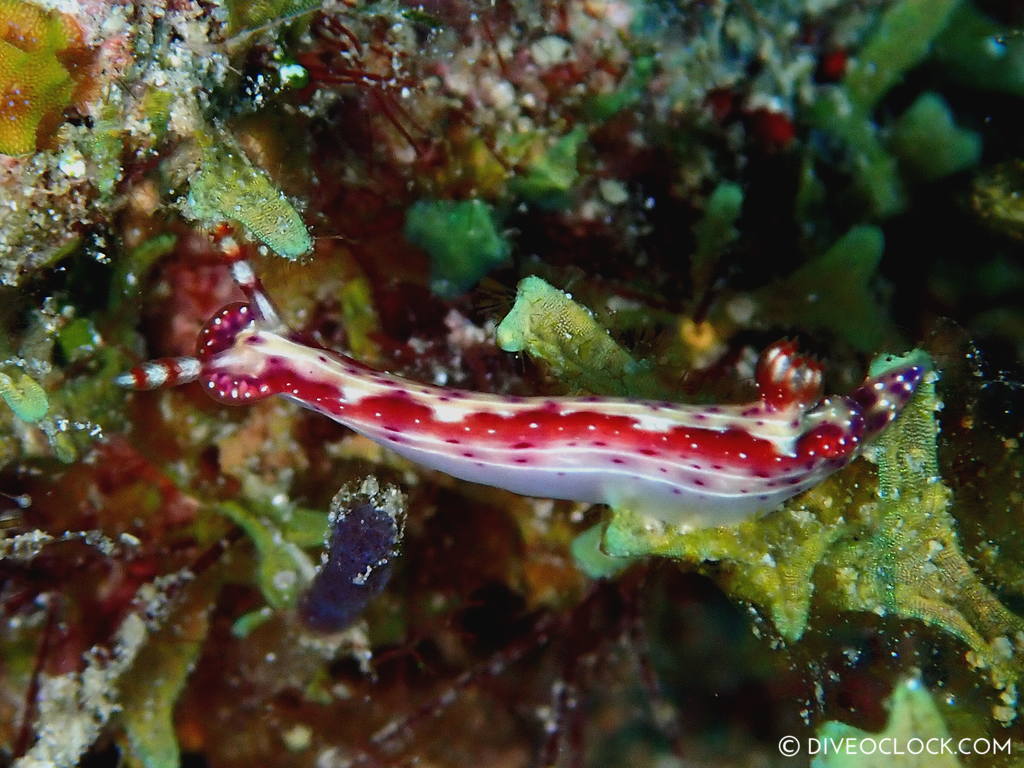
{"x":691,"y":465}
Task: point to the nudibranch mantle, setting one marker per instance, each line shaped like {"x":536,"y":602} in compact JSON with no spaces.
{"x":688,"y":465}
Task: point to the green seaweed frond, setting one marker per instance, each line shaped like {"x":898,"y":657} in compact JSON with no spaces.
{"x":462,"y":239}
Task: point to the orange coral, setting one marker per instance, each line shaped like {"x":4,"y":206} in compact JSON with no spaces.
{"x":41,"y":70}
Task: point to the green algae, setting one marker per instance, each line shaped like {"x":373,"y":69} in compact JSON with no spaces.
{"x":79,"y":339}
{"x":835,"y":292}
{"x":249,"y":622}
{"x":911,"y":564}
{"x":606,"y":105}
{"x":548,"y":180}
{"x":156,"y":107}
{"x":228,"y":187}
{"x":131,"y":269}
{"x":768,"y":562}
{"x":715,"y":232}
{"x":461,"y":238}
{"x":586,"y":551}
{"x":24,"y":396}
{"x":874,"y":169}
{"x":548,"y":325}
{"x":913,"y":715}
{"x":292,"y":75}
{"x":358,"y":312}
{"x":150,"y":689}
{"x":980,"y":53}
{"x":73,"y":399}
{"x":927,"y":139}
{"x":902,"y":40}
{"x":283,"y":569}
{"x":103,"y":146}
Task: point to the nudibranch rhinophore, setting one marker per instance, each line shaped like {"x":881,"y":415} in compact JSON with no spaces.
{"x":692,"y":465}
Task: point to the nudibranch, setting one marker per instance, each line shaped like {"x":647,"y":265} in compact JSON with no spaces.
{"x":692,"y":465}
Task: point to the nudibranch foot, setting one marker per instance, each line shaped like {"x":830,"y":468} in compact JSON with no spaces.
{"x":683,"y":464}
